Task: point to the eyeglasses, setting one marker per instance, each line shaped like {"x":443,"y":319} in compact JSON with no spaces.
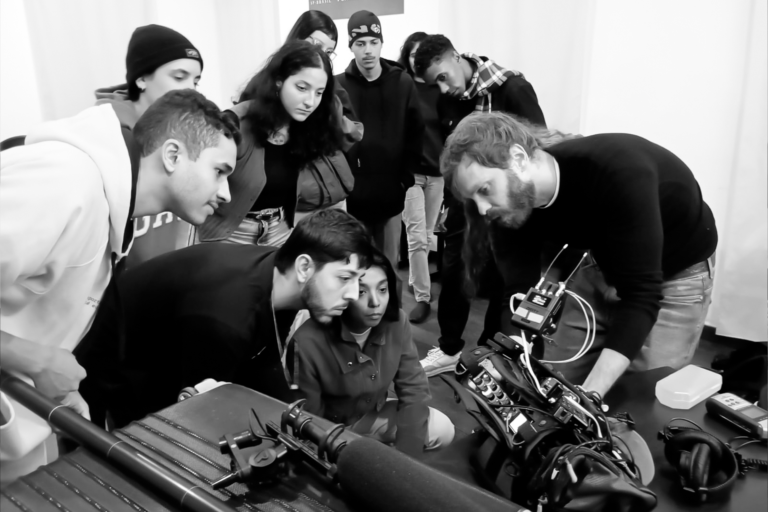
{"x":330,"y":53}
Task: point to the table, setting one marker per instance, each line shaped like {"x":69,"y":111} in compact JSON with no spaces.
{"x":636,"y":394}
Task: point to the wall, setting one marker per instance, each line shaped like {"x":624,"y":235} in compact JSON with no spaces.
{"x":55,"y":54}
{"x":18,"y":86}
{"x":420,"y":15}
{"x":691,"y":75}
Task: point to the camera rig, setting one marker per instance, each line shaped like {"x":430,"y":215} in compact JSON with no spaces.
{"x":290,"y":440}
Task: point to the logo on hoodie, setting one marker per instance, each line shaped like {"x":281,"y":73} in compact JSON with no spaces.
{"x":192,"y":54}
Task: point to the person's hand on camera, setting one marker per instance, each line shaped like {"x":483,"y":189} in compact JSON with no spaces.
{"x":59,"y":374}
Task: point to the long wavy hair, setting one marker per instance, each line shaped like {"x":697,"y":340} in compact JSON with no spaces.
{"x":311,"y":21}
{"x":405,"y":50}
{"x":319,"y":135}
{"x":485,"y":138}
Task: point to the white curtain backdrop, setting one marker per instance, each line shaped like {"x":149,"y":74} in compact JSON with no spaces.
{"x":690,"y":75}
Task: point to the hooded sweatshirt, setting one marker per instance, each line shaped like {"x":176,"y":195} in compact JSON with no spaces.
{"x":384,"y":162}
{"x":117,"y":96}
{"x":154,"y":234}
{"x":65,"y":199}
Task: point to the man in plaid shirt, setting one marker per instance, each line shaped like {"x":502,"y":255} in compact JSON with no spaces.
{"x":468,"y":83}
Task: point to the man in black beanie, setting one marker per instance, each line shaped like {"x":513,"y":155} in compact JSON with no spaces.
{"x":384,"y":162}
{"x":159,"y":60}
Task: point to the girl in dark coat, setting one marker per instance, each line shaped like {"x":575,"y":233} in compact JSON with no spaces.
{"x":346,"y":368}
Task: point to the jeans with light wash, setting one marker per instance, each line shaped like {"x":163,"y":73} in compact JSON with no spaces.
{"x":422,"y":207}
{"x":672,"y":340}
{"x":257,"y":231}
{"x":386,"y":238}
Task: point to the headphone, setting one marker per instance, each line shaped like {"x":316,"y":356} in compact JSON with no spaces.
{"x":706,"y":465}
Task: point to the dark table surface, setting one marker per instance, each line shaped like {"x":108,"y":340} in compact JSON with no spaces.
{"x":636,"y":394}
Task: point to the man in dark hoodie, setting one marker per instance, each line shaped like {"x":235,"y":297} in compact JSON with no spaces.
{"x":384,"y":162}
{"x":468,"y":83}
{"x":158,"y":60}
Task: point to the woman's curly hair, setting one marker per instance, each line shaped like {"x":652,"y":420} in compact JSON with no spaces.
{"x":319,"y":135}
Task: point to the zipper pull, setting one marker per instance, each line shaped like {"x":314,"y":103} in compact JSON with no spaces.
{"x":542,"y":502}
{"x":554,"y":473}
{"x":358,"y":163}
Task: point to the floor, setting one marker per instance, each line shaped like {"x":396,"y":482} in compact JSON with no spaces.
{"x":455,"y":459}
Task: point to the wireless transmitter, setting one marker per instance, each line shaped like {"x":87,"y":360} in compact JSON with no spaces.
{"x":539,"y":309}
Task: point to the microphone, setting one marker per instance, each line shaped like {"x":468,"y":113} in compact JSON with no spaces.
{"x":382,"y":479}
{"x":181,"y":491}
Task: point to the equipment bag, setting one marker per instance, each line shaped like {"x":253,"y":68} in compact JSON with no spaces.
{"x":324,"y":182}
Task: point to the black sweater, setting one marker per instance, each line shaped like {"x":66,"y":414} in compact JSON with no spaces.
{"x":200,"y":312}
{"x":638,"y":209}
{"x":385,"y":161}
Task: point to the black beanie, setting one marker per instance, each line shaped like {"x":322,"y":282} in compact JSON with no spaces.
{"x":152,"y":46}
{"x":363,"y":24}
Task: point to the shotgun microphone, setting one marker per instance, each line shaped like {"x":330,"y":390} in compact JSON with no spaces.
{"x":381,"y":479}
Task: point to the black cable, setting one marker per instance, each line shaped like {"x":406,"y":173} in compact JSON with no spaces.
{"x":686,"y":419}
{"x":751,"y":441}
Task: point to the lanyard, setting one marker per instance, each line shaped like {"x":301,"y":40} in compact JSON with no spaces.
{"x":282,"y":349}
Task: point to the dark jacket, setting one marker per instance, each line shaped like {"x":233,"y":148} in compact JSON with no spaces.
{"x":249,"y":177}
{"x":329,"y":180}
{"x":343,"y":383}
{"x":515,"y":96}
{"x":245,"y":184}
{"x":385,"y":161}
{"x":196,"y":313}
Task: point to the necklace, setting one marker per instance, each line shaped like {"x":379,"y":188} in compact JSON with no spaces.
{"x":281,"y":349}
{"x":278,"y":137}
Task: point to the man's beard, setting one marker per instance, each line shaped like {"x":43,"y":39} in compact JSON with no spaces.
{"x":521,"y":196}
{"x":310,"y":295}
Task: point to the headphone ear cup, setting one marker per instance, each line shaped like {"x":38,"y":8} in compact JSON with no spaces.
{"x":695,"y":454}
{"x":698,"y":468}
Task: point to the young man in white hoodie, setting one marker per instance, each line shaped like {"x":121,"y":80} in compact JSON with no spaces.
{"x":67,"y":200}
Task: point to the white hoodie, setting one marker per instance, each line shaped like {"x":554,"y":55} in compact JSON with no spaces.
{"x":64,"y":203}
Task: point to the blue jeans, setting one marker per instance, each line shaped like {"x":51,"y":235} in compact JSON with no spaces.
{"x":422,"y":206}
{"x":672,"y":340}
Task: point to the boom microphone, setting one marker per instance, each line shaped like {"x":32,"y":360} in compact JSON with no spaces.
{"x":382,"y":479}
{"x":184,"y":493}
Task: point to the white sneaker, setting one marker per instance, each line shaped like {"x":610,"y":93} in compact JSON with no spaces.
{"x":438,"y":362}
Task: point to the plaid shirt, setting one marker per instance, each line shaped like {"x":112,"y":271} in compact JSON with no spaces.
{"x":488,"y":76}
